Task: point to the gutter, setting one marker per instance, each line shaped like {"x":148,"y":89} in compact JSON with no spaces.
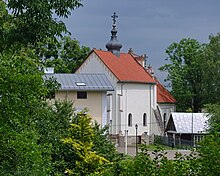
{"x":140,"y":82}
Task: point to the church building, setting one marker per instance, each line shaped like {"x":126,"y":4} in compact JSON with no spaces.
{"x":139,"y":104}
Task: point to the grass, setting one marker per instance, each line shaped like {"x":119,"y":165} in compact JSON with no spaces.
{"x":152,"y":147}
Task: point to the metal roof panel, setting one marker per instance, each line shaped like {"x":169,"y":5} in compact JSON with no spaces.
{"x":183,"y":122}
{"x":91,"y":82}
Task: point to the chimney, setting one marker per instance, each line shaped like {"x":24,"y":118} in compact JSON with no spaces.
{"x":130,"y":51}
{"x":49,"y":70}
{"x":150,"y":70}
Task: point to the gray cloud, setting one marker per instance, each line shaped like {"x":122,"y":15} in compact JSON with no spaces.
{"x":147,"y":26}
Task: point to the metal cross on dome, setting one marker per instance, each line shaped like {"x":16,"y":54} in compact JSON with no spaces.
{"x":114,"y":16}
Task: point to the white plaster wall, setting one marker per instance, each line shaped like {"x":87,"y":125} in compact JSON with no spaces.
{"x":104,"y":109}
{"x":164,"y":108}
{"x":154,"y":128}
{"x":167,"y":108}
{"x":94,"y":65}
{"x":127,"y":98}
{"x":136,"y":100}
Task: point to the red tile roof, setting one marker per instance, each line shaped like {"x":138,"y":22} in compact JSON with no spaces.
{"x":125,"y":67}
{"x":163,"y":96}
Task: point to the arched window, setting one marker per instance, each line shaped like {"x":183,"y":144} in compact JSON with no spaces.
{"x":129,"y":119}
{"x":144,"y":119}
{"x":164,"y":120}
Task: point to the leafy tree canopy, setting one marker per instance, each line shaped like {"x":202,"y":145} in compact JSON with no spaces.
{"x":25,"y":141}
{"x":211,"y":70}
{"x":65,"y":54}
{"x":184,"y":73}
{"x":81,"y":141}
{"x":21,"y":90}
{"x":214,"y":117}
{"x":27,"y":22}
{"x":193,"y":72}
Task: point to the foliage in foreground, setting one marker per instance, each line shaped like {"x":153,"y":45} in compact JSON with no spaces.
{"x":80,"y":141}
{"x":143,"y":164}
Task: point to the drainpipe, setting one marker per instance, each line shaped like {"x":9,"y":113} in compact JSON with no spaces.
{"x":126,"y":129}
{"x":150,"y":130}
{"x":125,"y":114}
{"x":122,"y":89}
{"x":67,"y":92}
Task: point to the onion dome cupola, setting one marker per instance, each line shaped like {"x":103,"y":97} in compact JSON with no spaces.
{"x":113,"y":45}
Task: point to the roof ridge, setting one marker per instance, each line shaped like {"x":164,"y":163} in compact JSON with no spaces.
{"x":78,"y":74}
{"x":108,"y":51}
{"x":143,"y":67}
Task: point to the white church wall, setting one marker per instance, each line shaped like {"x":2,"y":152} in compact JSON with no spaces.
{"x":136,"y":101}
{"x":104,"y":110}
{"x":133,"y":98}
{"x":154,"y":125}
{"x":155,"y":128}
{"x":166,"y":110}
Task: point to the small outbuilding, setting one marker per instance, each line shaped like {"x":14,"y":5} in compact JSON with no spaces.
{"x":186,"y":128}
{"x":85,"y":91}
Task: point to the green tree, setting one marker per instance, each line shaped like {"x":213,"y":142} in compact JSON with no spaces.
{"x":21,"y":93}
{"x":102,"y":143}
{"x":185,"y":73}
{"x":214,"y":117}
{"x":209,"y":155}
{"x":33,"y":21}
{"x":81,"y":137}
{"x":23,"y":25}
{"x":65,"y":55}
{"x":158,"y":165}
{"x":52,"y":126}
{"x":52,"y":86}
{"x":4,"y":25}
{"x":211,"y":70}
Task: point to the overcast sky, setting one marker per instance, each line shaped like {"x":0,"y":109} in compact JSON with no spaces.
{"x":146,"y":26}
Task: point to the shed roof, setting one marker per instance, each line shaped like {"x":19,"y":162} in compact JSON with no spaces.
{"x":80,"y":82}
{"x":183,"y":122}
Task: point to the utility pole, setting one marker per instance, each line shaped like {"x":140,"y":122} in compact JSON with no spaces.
{"x":192,"y":123}
{"x":126,"y":141}
{"x":136,"y":127}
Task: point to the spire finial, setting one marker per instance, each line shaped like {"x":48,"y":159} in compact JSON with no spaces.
{"x":114,"y":16}
{"x":113,"y":45}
